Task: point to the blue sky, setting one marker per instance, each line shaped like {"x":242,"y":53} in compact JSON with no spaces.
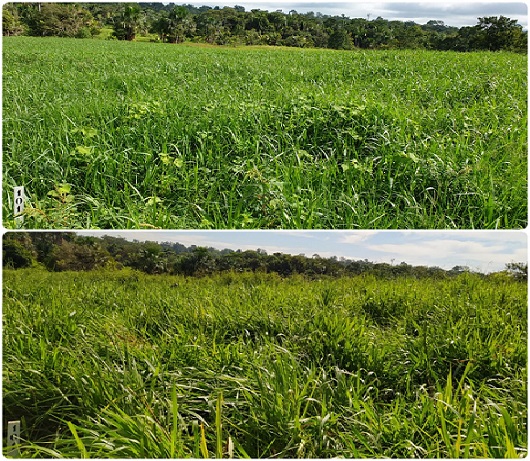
{"x":485,"y":251}
{"x":453,"y":13}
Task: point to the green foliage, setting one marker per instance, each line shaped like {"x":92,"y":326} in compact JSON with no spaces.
{"x":195,"y":137}
{"x":71,"y":256}
{"x":11,"y":21}
{"x":235,"y":26}
{"x":340,"y":40}
{"x":129,"y":23}
{"x":172,"y":28}
{"x":69,"y":251}
{"x":518,"y":270}
{"x":15,"y":255}
{"x":499,"y":33}
{"x":118,"y":364}
{"x":61,"y":20}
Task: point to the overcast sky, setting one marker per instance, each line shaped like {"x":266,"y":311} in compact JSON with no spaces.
{"x":453,"y":13}
{"x":485,"y":251}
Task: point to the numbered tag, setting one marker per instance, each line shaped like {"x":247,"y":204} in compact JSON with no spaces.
{"x":13,"y":437}
{"x":18,"y":204}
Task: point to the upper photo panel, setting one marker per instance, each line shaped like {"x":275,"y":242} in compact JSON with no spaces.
{"x":265,"y":114}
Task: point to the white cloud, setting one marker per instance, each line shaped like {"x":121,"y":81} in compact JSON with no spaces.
{"x":520,"y":255}
{"x":355,"y":238}
{"x":450,"y":252}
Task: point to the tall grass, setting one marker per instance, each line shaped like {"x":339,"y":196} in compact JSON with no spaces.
{"x":126,"y":135}
{"x":118,"y":364}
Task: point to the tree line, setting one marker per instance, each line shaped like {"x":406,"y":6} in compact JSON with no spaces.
{"x":172,"y":23}
{"x":68,"y":251}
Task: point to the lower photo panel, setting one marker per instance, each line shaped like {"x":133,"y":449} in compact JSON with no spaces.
{"x":265,"y":344}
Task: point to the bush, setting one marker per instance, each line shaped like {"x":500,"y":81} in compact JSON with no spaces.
{"x":85,"y":32}
{"x":15,"y":255}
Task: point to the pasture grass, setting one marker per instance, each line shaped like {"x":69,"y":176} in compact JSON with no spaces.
{"x":107,"y":134}
{"x":117,"y":364}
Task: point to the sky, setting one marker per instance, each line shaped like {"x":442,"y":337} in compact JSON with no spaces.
{"x":483,"y":251}
{"x":453,"y":13}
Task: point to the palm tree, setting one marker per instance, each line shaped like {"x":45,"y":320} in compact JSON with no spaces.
{"x":177,"y":21}
{"x":129,"y":23}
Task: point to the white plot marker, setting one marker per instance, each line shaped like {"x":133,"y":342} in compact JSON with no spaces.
{"x":18,"y":204}
{"x":13,"y":437}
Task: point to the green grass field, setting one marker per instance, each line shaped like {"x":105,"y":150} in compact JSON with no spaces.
{"x":106,"y":134}
{"x":120,"y":364}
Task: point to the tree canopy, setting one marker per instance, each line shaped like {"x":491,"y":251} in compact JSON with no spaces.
{"x":172,"y":23}
{"x":68,"y":251}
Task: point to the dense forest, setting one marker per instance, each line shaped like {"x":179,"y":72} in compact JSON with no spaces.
{"x":171,"y":23}
{"x":68,"y":251}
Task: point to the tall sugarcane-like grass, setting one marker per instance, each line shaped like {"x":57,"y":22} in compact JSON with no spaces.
{"x":127,"y":135}
{"x":117,"y":364}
